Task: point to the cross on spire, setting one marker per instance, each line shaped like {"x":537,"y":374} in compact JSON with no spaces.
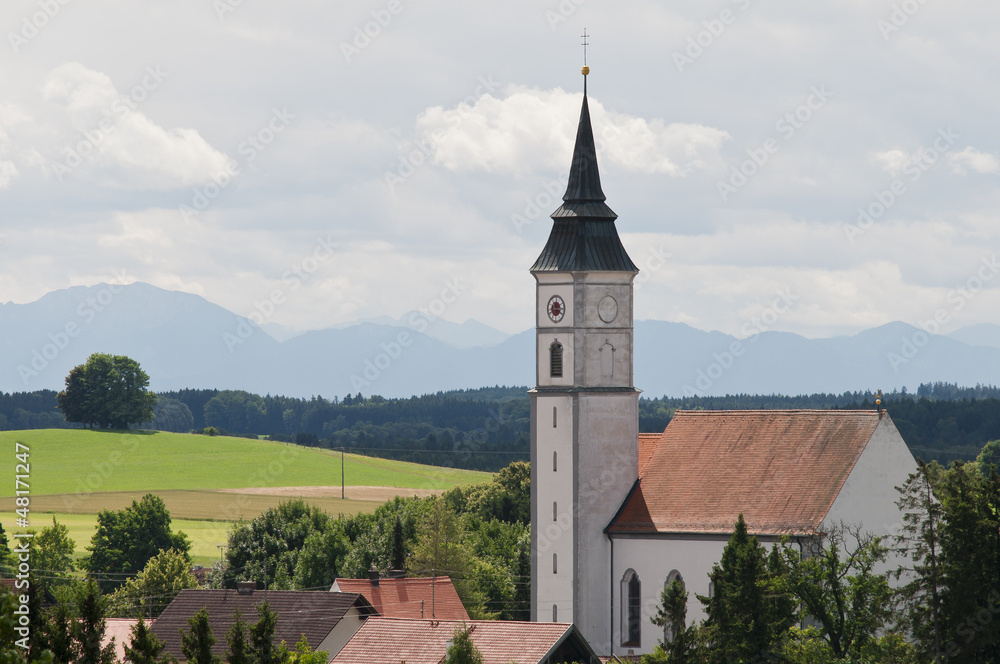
{"x":585,"y":44}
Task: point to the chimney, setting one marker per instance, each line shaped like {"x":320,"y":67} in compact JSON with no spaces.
{"x":373,"y":576}
{"x":245,"y":587}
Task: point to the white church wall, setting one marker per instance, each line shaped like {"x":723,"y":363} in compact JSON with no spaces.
{"x":869,"y":494}
{"x":653,"y":559}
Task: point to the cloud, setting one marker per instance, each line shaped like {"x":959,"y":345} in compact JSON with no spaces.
{"x":892,"y":161}
{"x":972,"y":159}
{"x":102,"y":134}
{"x":530,"y":128}
{"x":7,"y":173}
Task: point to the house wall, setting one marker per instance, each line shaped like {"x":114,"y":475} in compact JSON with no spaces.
{"x":869,"y":495}
{"x":342,"y":633}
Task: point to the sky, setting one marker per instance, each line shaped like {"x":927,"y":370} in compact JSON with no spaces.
{"x":833,"y":165}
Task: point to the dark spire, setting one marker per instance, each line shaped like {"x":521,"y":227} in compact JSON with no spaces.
{"x":584,"y":176}
{"x":583,"y":234}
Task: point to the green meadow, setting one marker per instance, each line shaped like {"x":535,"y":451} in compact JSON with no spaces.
{"x":75,"y":473}
{"x":68,"y":461}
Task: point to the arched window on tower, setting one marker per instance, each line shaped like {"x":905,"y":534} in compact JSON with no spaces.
{"x":556,"y":359}
{"x":631,"y":627}
{"x":555,"y":462}
{"x":670,"y":630}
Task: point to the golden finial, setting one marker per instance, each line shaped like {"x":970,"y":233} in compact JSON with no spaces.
{"x":878,"y":399}
{"x":586,"y":69}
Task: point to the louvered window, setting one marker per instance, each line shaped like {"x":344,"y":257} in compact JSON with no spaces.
{"x":556,"y":360}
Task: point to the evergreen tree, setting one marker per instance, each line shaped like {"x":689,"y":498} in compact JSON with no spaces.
{"x":90,"y":625}
{"x":144,"y":647}
{"x":197,"y":643}
{"x":398,"y":559}
{"x":970,"y":548}
{"x":462,"y":650}
{"x":262,"y":649}
{"x":236,"y":640}
{"x":746,"y":617}
{"x":679,"y":642}
{"x":10,"y":651}
{"x":919,"y":540}
{"x":57,"y":634}
{"x":4,"y":547}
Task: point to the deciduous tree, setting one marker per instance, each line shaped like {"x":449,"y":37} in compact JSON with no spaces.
{"x":838,"y":587}
{"x":127,"y":539}
{"x":149,"y":592}
{"x":108,"y":391}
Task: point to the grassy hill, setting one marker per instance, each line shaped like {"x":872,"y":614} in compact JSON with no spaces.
{"x":80,"y":461}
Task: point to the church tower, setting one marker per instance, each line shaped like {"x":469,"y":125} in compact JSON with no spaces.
{"x":584,"y":408}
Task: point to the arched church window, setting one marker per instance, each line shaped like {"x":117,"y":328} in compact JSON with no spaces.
{"x":556,"y":359}
{"x":555,"y":511}
{"x":555,"y":461}
{"x":631,"y":610}
{"x":555,"y":563}
{"x":555,"y":613}
{"x":555,"y":417}
{"x":670,"y":630}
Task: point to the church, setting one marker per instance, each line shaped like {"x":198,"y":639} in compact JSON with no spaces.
{"x":615,"y":514}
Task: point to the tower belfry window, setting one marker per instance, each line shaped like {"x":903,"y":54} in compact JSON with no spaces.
{"x":556,"y":359}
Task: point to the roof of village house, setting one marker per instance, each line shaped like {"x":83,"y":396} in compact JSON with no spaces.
{"x":781,"y":469}
{"x":412,"y":641}
{"x":119,"y":629}
{"x":410,"y":597}
{"x":309,"y":613}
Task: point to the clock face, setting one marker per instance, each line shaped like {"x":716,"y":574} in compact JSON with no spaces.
{"x":556,"y":308}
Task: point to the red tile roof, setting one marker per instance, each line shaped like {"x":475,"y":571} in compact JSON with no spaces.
{"x":119,"y":629}
{"x":392,"y":640}
{"x":402,"y":598}
{"x":647,"y":443}
{"x":311,"y":613}
{"x":782,"y":469}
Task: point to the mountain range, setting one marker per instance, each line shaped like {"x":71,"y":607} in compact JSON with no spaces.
{"x":185,"y":341}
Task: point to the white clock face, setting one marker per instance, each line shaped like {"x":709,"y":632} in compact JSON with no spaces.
{"x":556,"y":308}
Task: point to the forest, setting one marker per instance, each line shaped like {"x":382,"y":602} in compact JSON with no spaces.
{"x":488,"y":428}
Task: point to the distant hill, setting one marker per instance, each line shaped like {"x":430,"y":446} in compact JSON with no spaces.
{"x":184,"y":341}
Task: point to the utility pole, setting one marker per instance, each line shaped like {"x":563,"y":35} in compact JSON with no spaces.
{"x":342,"y":496}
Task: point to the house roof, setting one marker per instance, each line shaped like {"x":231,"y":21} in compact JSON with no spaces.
{"x":119,"y":629}
{"x":781,"y":469}
{"x":410,"y":597}
{"x":311,"y":613}
{"x":383,"y":639}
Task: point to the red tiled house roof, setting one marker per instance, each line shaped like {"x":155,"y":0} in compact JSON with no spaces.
{"x":426,"y":642}
{"x":409,"y":597}
{"x":781,"y":469}
{"x":119,"y":629}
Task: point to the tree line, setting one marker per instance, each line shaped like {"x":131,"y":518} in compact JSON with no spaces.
{"x":486,"y":429}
